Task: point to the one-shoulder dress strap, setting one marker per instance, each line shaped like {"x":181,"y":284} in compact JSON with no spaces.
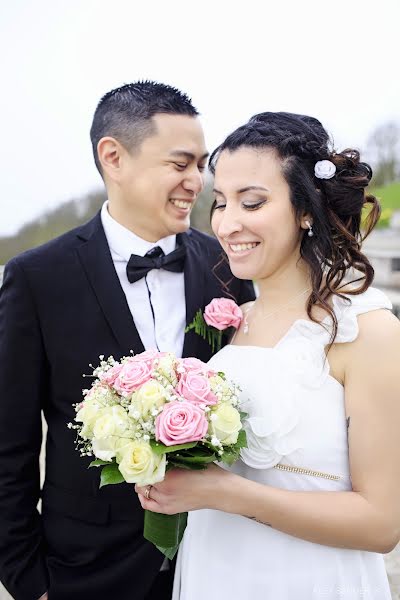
{"x":347,"y":310}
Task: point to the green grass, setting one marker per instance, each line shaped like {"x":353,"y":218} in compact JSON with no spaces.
{"x":389,"y":197}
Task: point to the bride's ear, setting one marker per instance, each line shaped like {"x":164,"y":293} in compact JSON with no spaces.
{"x":306,"y":222}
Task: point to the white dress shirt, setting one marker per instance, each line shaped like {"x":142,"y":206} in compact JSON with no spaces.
{"x":166,"y":330}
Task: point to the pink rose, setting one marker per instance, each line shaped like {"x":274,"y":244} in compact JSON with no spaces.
{"x":111,"y":375}
{"x":180,"y":422}
{"x":222,"y":313}
{"x":194,"y":365}
{"x":148,"y":356}
{"x":133,"y":374}
{"x":195,"y":387}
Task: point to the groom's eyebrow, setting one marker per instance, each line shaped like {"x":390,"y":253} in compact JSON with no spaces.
{"x":188,"y":155}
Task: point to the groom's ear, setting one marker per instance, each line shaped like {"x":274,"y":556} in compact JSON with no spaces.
{"x":109,"y":151}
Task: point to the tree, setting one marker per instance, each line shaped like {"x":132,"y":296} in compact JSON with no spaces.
{"x":200,"y":217}
{"x":384,"y":149}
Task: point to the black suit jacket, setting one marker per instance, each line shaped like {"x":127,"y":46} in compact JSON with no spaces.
{"x":61,"y":305}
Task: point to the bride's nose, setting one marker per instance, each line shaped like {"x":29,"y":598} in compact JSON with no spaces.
{"x":229,"y":222}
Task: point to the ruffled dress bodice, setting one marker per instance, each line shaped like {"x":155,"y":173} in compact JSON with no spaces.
{"x":297,"y":440}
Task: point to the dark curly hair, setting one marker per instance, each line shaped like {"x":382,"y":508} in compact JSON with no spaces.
{"x":335,"y":204}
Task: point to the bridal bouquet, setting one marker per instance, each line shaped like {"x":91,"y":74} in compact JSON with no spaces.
{"x":151,"y":412}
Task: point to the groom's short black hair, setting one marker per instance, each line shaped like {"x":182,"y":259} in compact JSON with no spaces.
{"x":125,"y":113}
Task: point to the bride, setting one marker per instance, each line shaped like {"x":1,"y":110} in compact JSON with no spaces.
{"x":314,"y":501}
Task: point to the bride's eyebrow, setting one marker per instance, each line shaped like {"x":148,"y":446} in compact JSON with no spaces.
{"x":250,"y":188}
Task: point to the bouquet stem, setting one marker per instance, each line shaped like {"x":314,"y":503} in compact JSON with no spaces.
{"x":164,"y":531}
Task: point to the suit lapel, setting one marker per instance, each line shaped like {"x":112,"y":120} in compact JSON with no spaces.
{"x":194,"y":289}
{"x":96,"y":259}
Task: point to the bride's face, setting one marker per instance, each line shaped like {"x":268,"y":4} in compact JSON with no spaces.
{"x":253,"y":219}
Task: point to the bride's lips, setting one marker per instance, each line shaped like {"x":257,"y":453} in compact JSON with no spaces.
{"x":240,"y":248}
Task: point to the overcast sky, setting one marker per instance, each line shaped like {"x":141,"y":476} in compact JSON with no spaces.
{"x":336,"y":60}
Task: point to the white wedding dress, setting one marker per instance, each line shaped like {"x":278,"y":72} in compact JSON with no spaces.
{"x":296,"y":419}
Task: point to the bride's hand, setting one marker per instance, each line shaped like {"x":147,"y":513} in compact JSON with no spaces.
{"x":183,"y":490}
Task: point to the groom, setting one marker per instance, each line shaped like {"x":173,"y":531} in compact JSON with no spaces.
{"x":87,"y":293}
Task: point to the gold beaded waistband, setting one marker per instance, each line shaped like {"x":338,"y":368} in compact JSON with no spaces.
{"x":304,"y":471}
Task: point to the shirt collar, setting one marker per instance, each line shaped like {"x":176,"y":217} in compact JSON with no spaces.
{"x":124,"y":242}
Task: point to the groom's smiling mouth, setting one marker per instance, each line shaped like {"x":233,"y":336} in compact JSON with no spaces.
{"x":183,"y":204}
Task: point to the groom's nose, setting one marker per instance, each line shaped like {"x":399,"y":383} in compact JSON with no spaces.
{"x":194,"y":181}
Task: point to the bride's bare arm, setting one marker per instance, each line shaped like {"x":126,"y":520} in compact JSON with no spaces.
{"x":366,"y":518}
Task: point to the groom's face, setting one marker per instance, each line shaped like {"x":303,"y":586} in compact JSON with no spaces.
{"x":160,"y":181}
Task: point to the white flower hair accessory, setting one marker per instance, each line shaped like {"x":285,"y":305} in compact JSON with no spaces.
{"x":324,"y":169}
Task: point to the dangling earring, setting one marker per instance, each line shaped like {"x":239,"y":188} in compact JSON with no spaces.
{"x":310,"y":229}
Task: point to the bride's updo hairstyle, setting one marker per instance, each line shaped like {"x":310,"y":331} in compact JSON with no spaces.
{"x":335,"y":204}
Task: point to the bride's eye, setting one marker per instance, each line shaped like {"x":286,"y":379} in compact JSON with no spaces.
{"x":254,"y":205}
{"x":218,"y":205}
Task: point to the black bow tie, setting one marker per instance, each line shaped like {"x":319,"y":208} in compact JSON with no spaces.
{"x":139,"y":266}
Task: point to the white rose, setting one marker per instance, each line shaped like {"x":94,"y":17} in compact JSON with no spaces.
{"x":225,"y":424}
{"x":91,"y":410}
{"x":221,"y":386}
{"x":113,"y":420}
{"x":324,"y":169}
{"x":110,"y":447}
{"x":139,"y":464}
{"x":150,"y":396}
{"x":104,"y":448}
{"x":166,"y":367}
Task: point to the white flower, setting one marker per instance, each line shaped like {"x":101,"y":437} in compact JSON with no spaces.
{"x":139,"y":464}
{"x":89,"y":412}
{"x":149,"y":397}
{"x":221,"y":386}
{"x":225,"y":424}
{"x":110,"y":447}
{"x":324,"y":169}
{"x":112,"y":421}
{"x":166,"y":368}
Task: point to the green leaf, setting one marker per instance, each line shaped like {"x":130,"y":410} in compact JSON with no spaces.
{"x":111,"y":475}
{"x":243,"y":415}
{"x":197,"y":451}
{"x":242,"y":440}
{"x":193,"y":459}
{"x":169,"y":552}
{"x":164,"y":531}
{"x":98,"y":463}
{"x":159,"y":448}
{"x":175,"y":464}
{"x":198,"y":324}
{"x":229,"y":457}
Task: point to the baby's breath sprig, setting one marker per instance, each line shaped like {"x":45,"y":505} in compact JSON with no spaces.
{"x":83,"y":446}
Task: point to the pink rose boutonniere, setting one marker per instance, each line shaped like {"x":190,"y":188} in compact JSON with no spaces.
{"x":218,"y":316}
